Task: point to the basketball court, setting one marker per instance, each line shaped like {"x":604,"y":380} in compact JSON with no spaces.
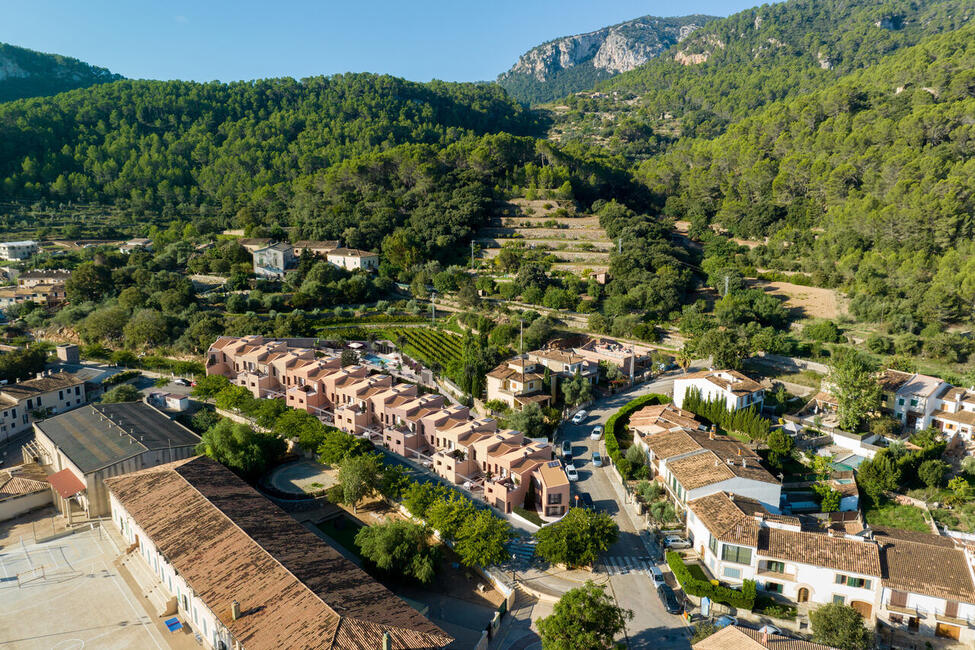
{"x":66,"y":594}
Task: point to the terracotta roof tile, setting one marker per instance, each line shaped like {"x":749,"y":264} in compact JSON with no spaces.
{"x":925,"y":564}
{"x":230,"y":543}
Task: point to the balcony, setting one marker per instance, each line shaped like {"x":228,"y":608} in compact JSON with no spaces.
{"x":907,"y":611}
{"x":954,"y":620}
{"x":775,"y":575}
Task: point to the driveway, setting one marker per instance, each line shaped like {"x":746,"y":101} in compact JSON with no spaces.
{"x":624,"y":566}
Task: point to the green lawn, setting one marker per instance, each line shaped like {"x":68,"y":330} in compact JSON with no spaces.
{"x":898,"y":516}
{"x":343,"y":530}
{"x":697,"y":572}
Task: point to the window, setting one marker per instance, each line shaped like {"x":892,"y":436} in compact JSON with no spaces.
{"x":736,"y":554}
{"x":731,"y":572}
{"x":900,"y":401}
{"x":775,"y":567}
{"x":713,"y":545}
{"x":554,"y":498}
{"x":913,"y":401}
{"x":839,"y":600}
{"x":77,"y":390}
{"x":30,"y":403}
{"x":38,"y":400}
{"x":773,"y":587}
{"x":850,"y":581}
{"x":60,"y":395}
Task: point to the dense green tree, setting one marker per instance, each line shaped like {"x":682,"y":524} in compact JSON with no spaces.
{"x":530,"y":420}
{"x":576,"y":390}
{"x":338,"y":445}
{"x":855,"y":388}
{"x":89,"y":282}
{"x":839,"y":626}
{"x":584,"y":617}
{"x":482,"y":539}
{"x":578,"y":538}
{"x":121,"y":393}
{"x":209,"y":386}
{"x":399,"y":547}
{"x":247,"y":452}
{"x":933,"y":472}
{"x":360,"y":477}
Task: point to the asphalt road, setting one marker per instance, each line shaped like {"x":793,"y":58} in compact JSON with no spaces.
{"x":651,"y":626}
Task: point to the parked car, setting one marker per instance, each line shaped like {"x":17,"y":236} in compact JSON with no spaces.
{"x":725,"y":621}
{"x":571,"y":473}
{"x":579,"y":417}
{"x":586,"y":500}
{"x":676,"y":542}
{"x":597,"y":460}
{"x":181,"y":382}
{"x":597,"y":432}
{"x":566,"y":452}
{"x":657,"y":576}
{"x":768,"y":628}
{"x":669,"y":599}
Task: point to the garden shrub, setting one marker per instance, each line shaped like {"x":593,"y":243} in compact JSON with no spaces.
{"x":741,"y":599}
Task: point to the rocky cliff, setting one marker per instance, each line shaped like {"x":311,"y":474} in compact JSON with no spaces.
{"x":575,"y":63}
{"x":26,"y":73}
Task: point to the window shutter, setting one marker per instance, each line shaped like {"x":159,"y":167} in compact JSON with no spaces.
{"x":951,"y":609}
{"x":898,"y":598}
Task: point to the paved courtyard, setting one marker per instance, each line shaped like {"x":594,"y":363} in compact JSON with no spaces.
{"x":66,"y":593}
{"x":301,"y":477}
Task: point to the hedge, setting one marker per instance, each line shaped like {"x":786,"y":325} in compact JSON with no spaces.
{"x":621,"y":418}
{"x":741,"y":599}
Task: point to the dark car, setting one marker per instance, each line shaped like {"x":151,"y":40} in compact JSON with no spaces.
{"x":566,"y":452}
{"x":586,"y":501}
{"x":669,"y":600}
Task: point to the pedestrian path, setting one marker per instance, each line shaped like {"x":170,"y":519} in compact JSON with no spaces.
{"x":523,"y":548}
{"x":625,"y":564}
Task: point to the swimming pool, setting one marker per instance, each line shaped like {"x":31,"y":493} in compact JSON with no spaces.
{"x":849,"y":463}
{"x":376,"y":360}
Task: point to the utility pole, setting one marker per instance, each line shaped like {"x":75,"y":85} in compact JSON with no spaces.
{"x":472,"y":253}
{"x":521,"y":336}
{"x":433,"y":306}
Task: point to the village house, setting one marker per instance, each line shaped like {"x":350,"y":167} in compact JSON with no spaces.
{"x":564,"y":364}
{"x":139,"y":243}
{"x":274,"y":260}
{"x":659,"y":418}
{"x":316,"y":248}
{"x":32,"y":278}
{"x":955,"y":412}
{"x":45,"y":295}
{"x":625,"y":356}
{"x":911,"y":398}
{"x":243,"y":574}
{"x":739,"y":539}
{"x":734,"y":637}
{"x":48,"y":392}
{"x":12,"y":251}
{"x":691,"y":464}
{"x":733,"y":389}
{"x":352,"y":259}
{"x":516,"y":382}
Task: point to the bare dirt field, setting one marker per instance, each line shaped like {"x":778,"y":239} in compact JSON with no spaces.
{"x":812,"y":302}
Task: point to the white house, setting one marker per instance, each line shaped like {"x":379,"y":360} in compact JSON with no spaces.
{"x":912,"y":398}
{"x":729,"y":386}
{"x":928,"y":585}
{"x":955,"y":412}
{"x":738,"y":539}
{"x":53,"y":393}
{"x":272,"y":261}
{"x":243,"y":574}
{"x":17,"y":250}
{"x":352,"y":259}
{"x":693,"y":464}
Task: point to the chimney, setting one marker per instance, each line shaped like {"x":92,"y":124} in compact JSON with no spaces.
{"x":711,"y":433}
{"x":743,"y":464}
{"x":765,"y":636}
{"x":387,"y":641}
{"x":739,"y":451}
{"x":235,"y":610}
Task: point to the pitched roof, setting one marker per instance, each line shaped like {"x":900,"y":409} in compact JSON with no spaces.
{"x":729,"y":380}
{"x":66,"y":483}
{"x":733,"y":637}
{"x":699,"y":470}
{"x":733,"y":519}
{"x":231,"y":543}
{"x":671,"y":443}
{"x":891,"y":380}
{"x":21,"y":480}
{"x":352,"y":252}
{"x":924,"y":564}
{"x":32,"y":387}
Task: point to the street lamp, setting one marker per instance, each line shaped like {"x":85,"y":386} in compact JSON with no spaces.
{"x":577,"y":501}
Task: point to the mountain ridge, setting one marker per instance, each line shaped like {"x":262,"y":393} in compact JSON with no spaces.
{"x":572,"y":63}
{"x":26,"y":73}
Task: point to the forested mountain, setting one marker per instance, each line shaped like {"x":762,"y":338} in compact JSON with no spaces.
{"x":26,"y":73}
{"x":868,"y":183}
{"x":352,"y":157}
{"x":566,"y":65}
{"x":731,"y":67}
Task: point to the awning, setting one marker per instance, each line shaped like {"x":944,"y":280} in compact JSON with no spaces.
{"x":66,"y":483}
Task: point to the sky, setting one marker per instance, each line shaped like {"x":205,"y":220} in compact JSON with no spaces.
{"x":206,"y":40}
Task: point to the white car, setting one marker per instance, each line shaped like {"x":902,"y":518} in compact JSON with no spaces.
{"x":579,"y":417}
{"x":676,"y":542}
{"x":657,"y":576}
{"x":571,"y":473}
{"x":597,"y":432}
{"x":181,"y":382}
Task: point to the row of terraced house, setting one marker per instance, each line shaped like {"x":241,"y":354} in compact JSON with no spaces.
{"x":464,"y":449}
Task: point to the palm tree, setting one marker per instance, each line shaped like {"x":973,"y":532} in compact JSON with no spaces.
{"x":684,"y":360}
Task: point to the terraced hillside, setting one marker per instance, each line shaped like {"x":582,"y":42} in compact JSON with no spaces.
{"x":576,"y":242}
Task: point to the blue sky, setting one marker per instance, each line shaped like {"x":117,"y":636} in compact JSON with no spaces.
{"x":454,"y":40}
